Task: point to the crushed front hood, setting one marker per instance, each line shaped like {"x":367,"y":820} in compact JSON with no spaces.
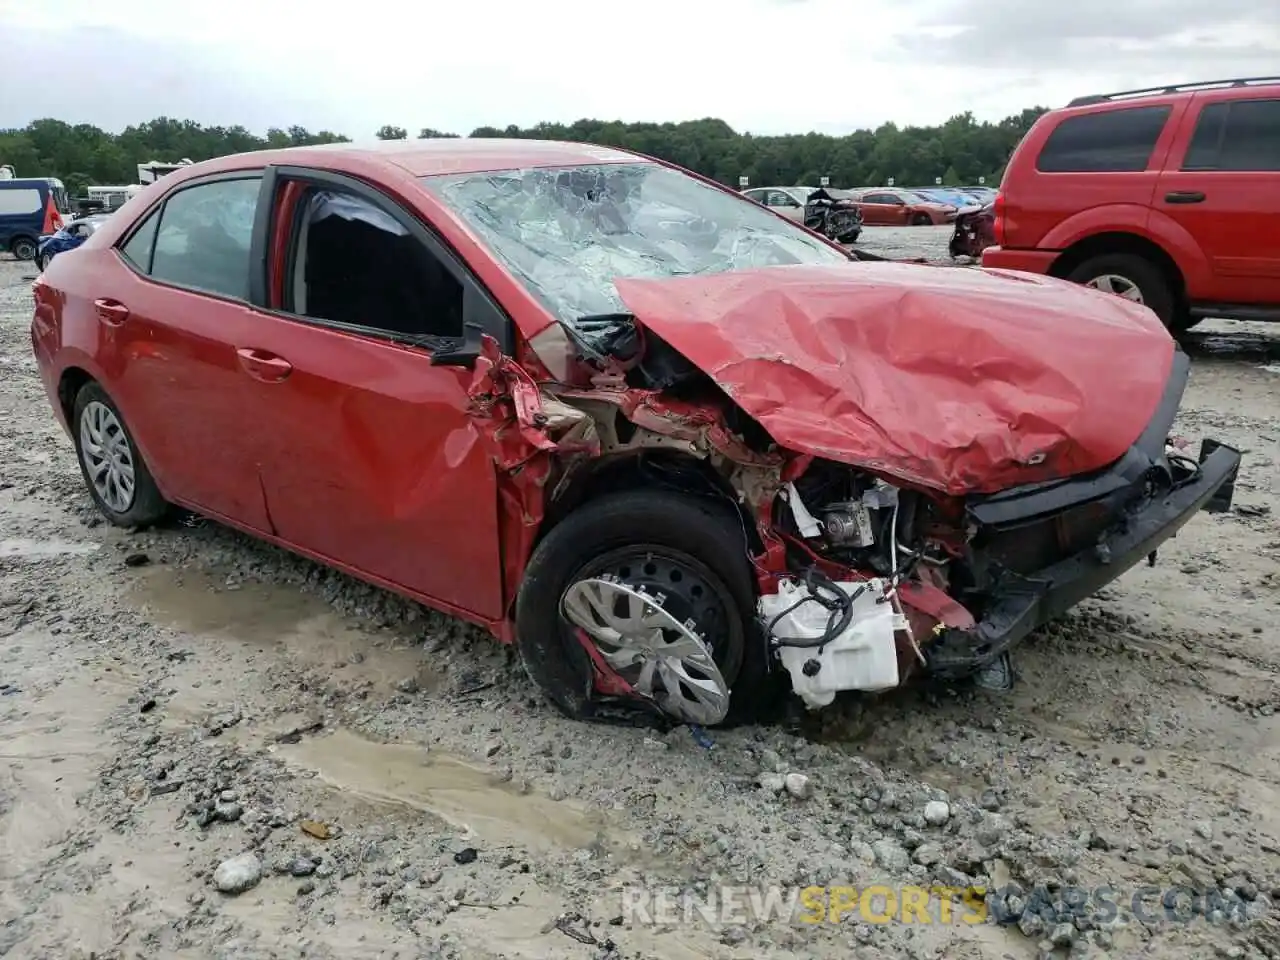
{"x":966,"y":381}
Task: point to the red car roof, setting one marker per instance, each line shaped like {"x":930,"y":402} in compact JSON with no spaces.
{"x":422,"y":158}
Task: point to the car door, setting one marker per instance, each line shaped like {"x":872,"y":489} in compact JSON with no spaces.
{"x":372,"y":461}
{"x":169,"y":310}
{"x":779,"y":201}
{"x":881,"y":208}
{"x":1222,"y":185}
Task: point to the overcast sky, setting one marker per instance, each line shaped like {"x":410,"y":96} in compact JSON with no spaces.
{"x":765,"y":66}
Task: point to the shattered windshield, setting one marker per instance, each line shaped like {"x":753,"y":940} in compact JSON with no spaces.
{"x":568,"y":232}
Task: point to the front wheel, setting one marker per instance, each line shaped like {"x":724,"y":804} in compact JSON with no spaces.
{"x":922,"y":220}
{"x":643,"y":598}
{"x":113,"y":469}
{"x":1132,"y":277}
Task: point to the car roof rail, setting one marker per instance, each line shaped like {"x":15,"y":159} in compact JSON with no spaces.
{"x":1174,"y":88}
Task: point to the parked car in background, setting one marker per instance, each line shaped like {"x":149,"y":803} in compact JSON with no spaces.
{"x":962,"y":201}
{"x":983,"y":195}
{"x":887,"y":206}
{"x":975,"y":231}
{"x":1168,"y":197}
{"x":68,"y":238}
{"x":618,"y":414}
{"x":833,"y":213}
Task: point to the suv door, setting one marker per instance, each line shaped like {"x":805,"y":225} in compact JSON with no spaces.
{"x":169,"y":316}
{"x":1222,"y":185}
{"x":373,"y":461}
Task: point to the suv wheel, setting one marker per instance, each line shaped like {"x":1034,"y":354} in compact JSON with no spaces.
{"x":1132,"y":277}
{"x":23,"y":248}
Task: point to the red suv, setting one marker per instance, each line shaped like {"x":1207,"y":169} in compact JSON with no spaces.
{"x":1169,"y":197}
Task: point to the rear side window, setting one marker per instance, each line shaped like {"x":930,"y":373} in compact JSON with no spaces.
{"x":20,"y":202}
{"x":201,"y":237}
{"x":1237,"y":135}
{"x":1115,"y":141}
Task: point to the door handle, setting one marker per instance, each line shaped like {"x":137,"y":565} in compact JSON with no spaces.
{"x":1184,"y":196}
{"x":262,"y":365}
{"x":111,"y":312}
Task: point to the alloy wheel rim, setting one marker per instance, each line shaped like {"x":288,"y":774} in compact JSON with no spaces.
{"x":107,"y":456}
{"x":1118,"y":285}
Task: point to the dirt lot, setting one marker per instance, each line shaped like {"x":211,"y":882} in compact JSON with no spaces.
{"x":173,"y":699}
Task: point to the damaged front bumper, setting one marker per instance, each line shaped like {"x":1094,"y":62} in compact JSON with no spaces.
{"x":1026,"y":602}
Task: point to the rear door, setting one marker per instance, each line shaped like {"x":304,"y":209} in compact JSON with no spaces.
{"x":169,"y":308}
{"x":1223,"y":186}
{"x":371,"y":459}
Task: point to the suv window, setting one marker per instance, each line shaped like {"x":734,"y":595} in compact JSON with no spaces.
{"x":204,"y":236}
{"x":355,"y":264}
{"x":1236,"y":135}
{"x":1108,"y":142}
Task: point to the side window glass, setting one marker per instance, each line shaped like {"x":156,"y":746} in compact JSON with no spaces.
{"x":1241,"y":135}
{"x":354,"y":264}
{"x":1202,"y":154}
{"x":204,"y":237}
{"x":1111,"y":141}
{"x":138,"y":248}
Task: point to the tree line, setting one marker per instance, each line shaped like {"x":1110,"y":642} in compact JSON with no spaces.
{"x":959,"y":151}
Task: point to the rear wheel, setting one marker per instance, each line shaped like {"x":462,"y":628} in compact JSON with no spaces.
{"x":24,"y":248}
{"x":654,"y":589}
{"x":1130,"y":276}
{"x":113,"y":469}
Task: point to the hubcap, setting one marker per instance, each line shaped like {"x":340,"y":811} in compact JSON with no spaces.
{"x":107,"y":456}
{"x":662,"y":658}
{"x":1120,"y":286}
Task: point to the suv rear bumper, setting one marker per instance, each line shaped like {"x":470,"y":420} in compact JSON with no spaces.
{"x":1023,"y":604}
{"x":1028,"y":261}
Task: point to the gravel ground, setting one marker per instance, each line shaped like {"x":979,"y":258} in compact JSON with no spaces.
{"x":210,"y":748}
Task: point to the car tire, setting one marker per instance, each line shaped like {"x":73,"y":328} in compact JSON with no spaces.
{"x":101,"y":436}
{"x":1137,"y":272}
{"x":663,"y":531}
{"x":42,"y":263}
{"x":922,"y":220}
{"x":851,"y":237}
{"x":24,"y":248}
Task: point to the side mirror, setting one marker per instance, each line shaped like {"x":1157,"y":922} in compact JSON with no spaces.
{"x":461,"y":351}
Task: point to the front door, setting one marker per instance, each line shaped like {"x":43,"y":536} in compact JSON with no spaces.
{"x":1224,"y":189}
{"x":369,"y":458}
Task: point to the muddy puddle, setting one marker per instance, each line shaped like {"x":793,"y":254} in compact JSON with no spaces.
{"x":1232,"y":345}
{"x":267,"y":615}
{"x":469,"y":798}
{"x":19,"y":548}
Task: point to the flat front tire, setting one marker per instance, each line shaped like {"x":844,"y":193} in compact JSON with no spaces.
{"x":118,"y":479}
{"x":691,"y":550}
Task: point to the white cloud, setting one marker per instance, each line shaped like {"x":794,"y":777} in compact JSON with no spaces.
{"x":768,"y":66}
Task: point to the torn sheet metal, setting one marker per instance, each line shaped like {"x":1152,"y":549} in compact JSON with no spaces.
{"x":961,"y":381}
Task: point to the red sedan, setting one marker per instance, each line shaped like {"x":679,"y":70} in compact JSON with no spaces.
{"x":885,"y":206}
{"x":666,"y":441}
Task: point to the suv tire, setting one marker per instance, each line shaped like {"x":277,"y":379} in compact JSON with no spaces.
{"x":1139,"y":273}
